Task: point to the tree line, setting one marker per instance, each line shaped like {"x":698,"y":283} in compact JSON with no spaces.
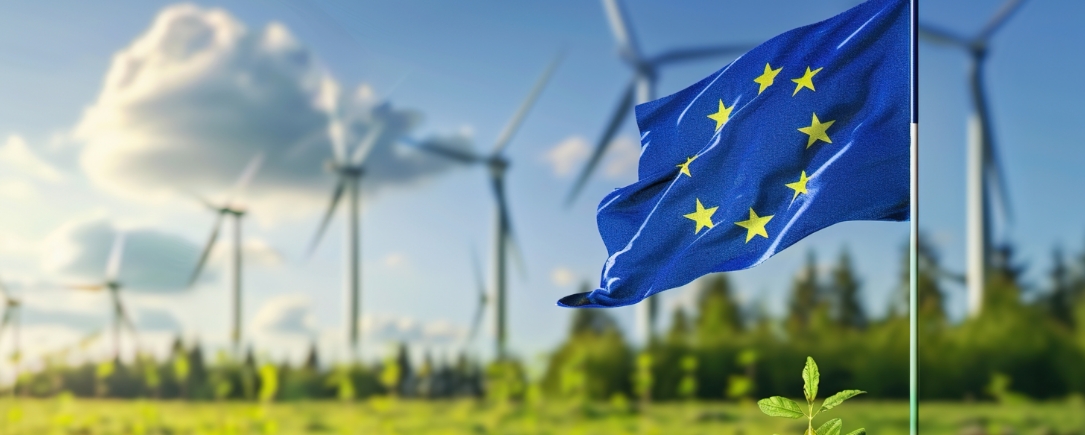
{"x":1027,"y":342}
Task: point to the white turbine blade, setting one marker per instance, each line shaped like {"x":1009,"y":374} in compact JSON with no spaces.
{"x":246,"y":177}
{"x":685,"y":54}
{"x":338,"y":136}
{"x":623,"y":33}
{"x":518,"y":118}
{"x":1000,"y":18}
{"x":116,"y":254}
{"x":366,"y":146}
{"x":938,"y":35}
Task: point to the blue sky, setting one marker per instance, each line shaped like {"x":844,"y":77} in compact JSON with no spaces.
{"x":465,"y":68}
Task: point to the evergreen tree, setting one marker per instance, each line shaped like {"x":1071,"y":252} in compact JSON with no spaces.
{"x":719,"y":318}
{"x":805,"y":296}
{"x":680,"y":328}
{"x":1060,"y":301}
{"x":312,"y":360}
{"x":844,"y":290}
{"x":930,"y":293}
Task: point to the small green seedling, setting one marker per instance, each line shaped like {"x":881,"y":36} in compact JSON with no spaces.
{"x":777,"y":406}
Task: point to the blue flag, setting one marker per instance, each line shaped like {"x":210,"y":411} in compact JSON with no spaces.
{"x":808,"y":129}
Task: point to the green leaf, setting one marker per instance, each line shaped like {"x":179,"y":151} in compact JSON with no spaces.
{"x":831,"y":427}
{"x":838,"y":398}
{"x":859,"y":431}
{"x":777,"y":406}
{"x":810,"y":379}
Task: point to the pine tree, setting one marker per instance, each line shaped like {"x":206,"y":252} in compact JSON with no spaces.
{"x":1060,"y":301}
{"x":805,"y":296}
{"x":719,"y":317}
{"x":312,"y":360}
{"x":844,"y":290}
{"x":680,"y":328}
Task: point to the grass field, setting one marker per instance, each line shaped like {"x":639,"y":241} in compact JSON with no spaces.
{"x":384,"y":416}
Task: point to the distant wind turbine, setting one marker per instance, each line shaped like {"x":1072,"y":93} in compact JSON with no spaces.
{"x":643,"y":86}
{"x":498,"y":164}
{"x":11,"y":307}
{"x":349,"y":172}
{"x":643,"y":83}
{"x":229,"y":207}
{"x":113,"y":285}
{"x":985,"y":173}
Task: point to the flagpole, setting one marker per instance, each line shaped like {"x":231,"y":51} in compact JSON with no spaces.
{"x":913,"y":238}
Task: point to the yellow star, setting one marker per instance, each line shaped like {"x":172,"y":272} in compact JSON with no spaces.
{"x":703,"y":216}
{"x":806,"y":81}
{"x":816,"y":131}
{"x":755,"y":225}
{"x":722,"y":115}
{"x":765,"y":79}
{"x":685,"y":166}
{"x":799,"y":186}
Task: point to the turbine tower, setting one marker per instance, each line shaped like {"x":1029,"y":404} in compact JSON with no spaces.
{"x":504,"y":236}
{"x":985,"y":174}
{"x":349,"y":172}
{"x":229,"y":207}
{"x":111,"y":283}
{"x":642,"y":86}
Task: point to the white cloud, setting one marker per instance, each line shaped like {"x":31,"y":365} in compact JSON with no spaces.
{"x":152,"y":260}
{"x":622,"y":159}
{"x":567,"y":155}
{"x":285,"y":315}
{"x":562,"y":276}
{"x":156,"y":319}
{"x":395,"y":260}
{"x":15,"y":155}
{"x":189,"y":102}
{"x":17,"y":189}
{"x":393,"y":328}
{"x":619,"y":161}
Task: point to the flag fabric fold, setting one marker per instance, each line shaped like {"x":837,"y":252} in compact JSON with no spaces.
{"x":809,"y":129}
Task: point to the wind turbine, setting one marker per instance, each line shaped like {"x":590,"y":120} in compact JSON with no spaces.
{"x":228,"y":207}
{"x":349,"y":172}
{"x":111,"y":283}
{"x":643,"y":83}
{"x":985,"y":174}
{"x":642,"y":86}
{"x":498,"y":164}
{"x":10,"y":317}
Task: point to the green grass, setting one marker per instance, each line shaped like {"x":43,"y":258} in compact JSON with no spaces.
{"x":384,"y":416}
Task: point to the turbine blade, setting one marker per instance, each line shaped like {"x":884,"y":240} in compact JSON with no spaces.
{"x":938,"y":35}
{"x":476,"y":321}
{"x":1004,"y":13}
{"x":518,"y":118}
{"x":681,"y":55}
{"x":116,"y":255}
{"x":450,"y":153}
{"x":337,"y":135}
{"x":622,"y":31}
{"x":620,"y":113}
{"x":340,"y":186}
{"x":202,"y":200}
{"x":126,"y":320}
{"x":246,"y":176}
{"x":87,"y":287}
{"x":207,"y":248}
{"x":366,"y":146}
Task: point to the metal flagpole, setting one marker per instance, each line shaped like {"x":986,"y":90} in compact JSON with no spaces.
{"x":913,"y":239}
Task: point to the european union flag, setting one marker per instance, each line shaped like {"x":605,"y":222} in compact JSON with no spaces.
{"x":808,"y":129}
